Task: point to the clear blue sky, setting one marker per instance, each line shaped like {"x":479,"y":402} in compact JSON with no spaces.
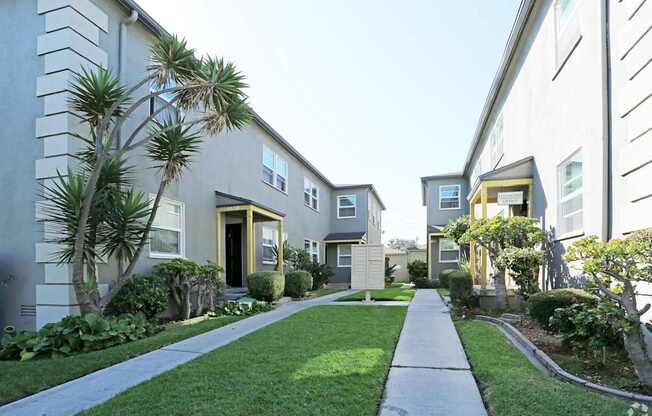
{"x":368,"y":90}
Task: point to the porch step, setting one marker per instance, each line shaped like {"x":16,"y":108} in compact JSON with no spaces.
{"x":235,"y":293}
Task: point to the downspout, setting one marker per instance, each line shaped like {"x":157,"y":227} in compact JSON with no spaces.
{"x":122,"y":36}
{"x":607,"y":215}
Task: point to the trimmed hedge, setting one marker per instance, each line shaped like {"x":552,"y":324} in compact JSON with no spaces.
{"x":267,"y":286}
{"x":424,"y":283}
{"x":443,"y":277}
{"x":297,"y":283}
{"x":461,"y":287}
{"x":541,"y":306}
{"x":148,"y":295}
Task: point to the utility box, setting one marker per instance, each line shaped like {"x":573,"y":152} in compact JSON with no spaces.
{"x":367,"y":266}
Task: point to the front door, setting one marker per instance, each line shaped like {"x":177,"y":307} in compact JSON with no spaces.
{"x":234,"y":255}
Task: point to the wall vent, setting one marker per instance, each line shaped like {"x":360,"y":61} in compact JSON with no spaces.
{"x":27,"y":310}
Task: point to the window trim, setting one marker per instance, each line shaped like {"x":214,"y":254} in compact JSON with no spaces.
{"x":561,"y":200}
{"x":310,"y":242}
{"x":355,"y":206}
{"x":312,"y":186}
{"x":564,"y":44}
{"x":181,"y":231}
{"x":262,"y":243}
{"x":345,"y":255}
{"x":493,"y":142}
{"x":440,"y":250}
{"x":459,"y":197}
{"x":275,"y":170}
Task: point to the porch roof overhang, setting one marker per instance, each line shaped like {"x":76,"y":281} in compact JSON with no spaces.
{"x":518,"y":173}
{"x":352,"y":237}
{"x":226,"y":202}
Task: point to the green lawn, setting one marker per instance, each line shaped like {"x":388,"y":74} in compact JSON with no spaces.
{"x":513,"y":387}
{"x":323,"y":292}
{"x":327,"y":360}
{"x":394,"y":292}
{"x":21,"y":379}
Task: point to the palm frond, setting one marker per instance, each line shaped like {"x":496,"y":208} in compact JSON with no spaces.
{"x":172,"y":61}
{"x":125,"y":224}
{"x":95,"y":92}
{"x":235,"y":116}
{"x":172,"y":146}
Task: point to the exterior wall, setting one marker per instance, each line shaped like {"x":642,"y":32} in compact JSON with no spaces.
{"x":437,"y":266}
{"x":374,"y":225}
{"x":440,"y":217}
{"x":360,"y":222}
{"x":567,"y":115}
{"x":341,"y":275}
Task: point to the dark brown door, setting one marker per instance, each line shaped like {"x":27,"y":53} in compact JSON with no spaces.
{"x":234,"y":255}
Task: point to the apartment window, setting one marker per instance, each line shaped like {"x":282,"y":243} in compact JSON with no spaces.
{"x":449,"y":252}
{"x":496,"y":141}
{"x":167,"y":235}
{"x":567,"y":29}
{"x":570,"y":195}
{"x":310,"y":194}
{"x":160,"y":101}
{"x":346,"y":206}
{"x":269,"y":242}
{"x":275,"y":170}
{"x":312,"y":247}
{"x":344,"y":255}
{"x":449,"y":197}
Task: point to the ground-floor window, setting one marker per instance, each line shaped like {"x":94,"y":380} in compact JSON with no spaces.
{"x":167,"y":235}
{"x":449,"y":252}
{"x":269,"y":242}
{"x":312,"y":247}
{"x":344,"y":255}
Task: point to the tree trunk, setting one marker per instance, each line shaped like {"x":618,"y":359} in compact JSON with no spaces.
{"x":122,"y":278}
{"x":634,"y":338}
{"x":501,"y":290}
{"x":86,"y":298}
{"x":186,"y":308}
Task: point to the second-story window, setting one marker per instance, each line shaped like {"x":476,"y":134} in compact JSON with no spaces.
{"x":570,"y":217}
{"x":567,"y":29}
{"x":496,"y":141}
{"x":346,"y":206}
{"x":310,"y":194}
{"x":449,"y":197}
{"x":275,"y":170}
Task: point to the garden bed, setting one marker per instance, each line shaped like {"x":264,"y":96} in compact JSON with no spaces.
{"x":617,"y":372}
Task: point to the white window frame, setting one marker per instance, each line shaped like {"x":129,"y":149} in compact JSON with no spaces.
{"x":339,"y":255}
{"x":497,"y":143}
{"x":275,"y":170}
{"x":459,"y":196}
{"x":561,"y":199}
{"x":566,"y":37}
{"x":274,"y":242}
{"x":311,"y":250}
{"x":354,"y":206}
{"x":307,"y":183}
{"x":440,"y":250}
{"x":181,"y":231}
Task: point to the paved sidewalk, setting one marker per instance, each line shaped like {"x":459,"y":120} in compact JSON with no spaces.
{"x":95,"y":388}
{"x":430,"y":375}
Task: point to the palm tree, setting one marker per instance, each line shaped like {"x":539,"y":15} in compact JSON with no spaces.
{"x":207,"y":87}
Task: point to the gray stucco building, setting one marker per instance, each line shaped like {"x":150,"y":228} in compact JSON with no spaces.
{"x":565,"y":135}
{"x":244,"y":193}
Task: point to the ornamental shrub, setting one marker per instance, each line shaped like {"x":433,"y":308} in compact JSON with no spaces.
{"x":297,"y":283}
{"x":267,"y":286}
{"x":148,"y":295}
{"x":417,"y":268}
{"x":240,"y":309}
{"x":424,"y":283}
{"x":461,"y":287}
{"x":443,"y":277}
{"x":75,"y":334}
{"x":321,"y":273}
{"x":541,"y":306}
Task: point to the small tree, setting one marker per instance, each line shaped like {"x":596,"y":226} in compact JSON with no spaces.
{"x":524,"y":264}
{"x":417,"y":268}
{"x":497,"y":234}
{"x":389,"y":272}
{"x":615,"y":267}
{"x":455,"y":229}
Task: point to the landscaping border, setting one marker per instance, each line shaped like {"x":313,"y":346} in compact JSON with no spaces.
{"x":555,"y":369}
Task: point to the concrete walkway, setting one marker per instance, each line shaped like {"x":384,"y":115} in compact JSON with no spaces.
{"x":430,"y":375}
{"x":95,"y":388}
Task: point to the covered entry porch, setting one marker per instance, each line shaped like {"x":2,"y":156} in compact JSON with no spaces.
{"x":507,"y":191}
{"x":236,"y":220}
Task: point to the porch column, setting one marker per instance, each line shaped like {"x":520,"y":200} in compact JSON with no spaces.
{"x":218,"y":237}
{"x":472,"y":258}
{"x":251,"y":242}
{"x":483,"y":253}
{"x":280,"y":246}
{"x":429,"y":256}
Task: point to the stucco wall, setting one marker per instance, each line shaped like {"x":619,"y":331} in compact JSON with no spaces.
{"x":440,"y":217}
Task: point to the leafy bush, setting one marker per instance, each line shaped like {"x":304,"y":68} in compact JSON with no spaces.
{"x":267,"y":286}
{"x":417,"y":268}
{"x":524,"y":264}
{"x":297,"y":283}
{"x":389,"y":272}
{"x":74,"y":334}
{"x":461,"y":287}
{"x":240,"y":309}
{"x":193,"y":286}
{"x":443,"y":277}
{"x":302,"y":260}
{"x":541,"y":306}
{"x":423,"y":283}
{"x":590,"y":327}
{"x":141,"y":294}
